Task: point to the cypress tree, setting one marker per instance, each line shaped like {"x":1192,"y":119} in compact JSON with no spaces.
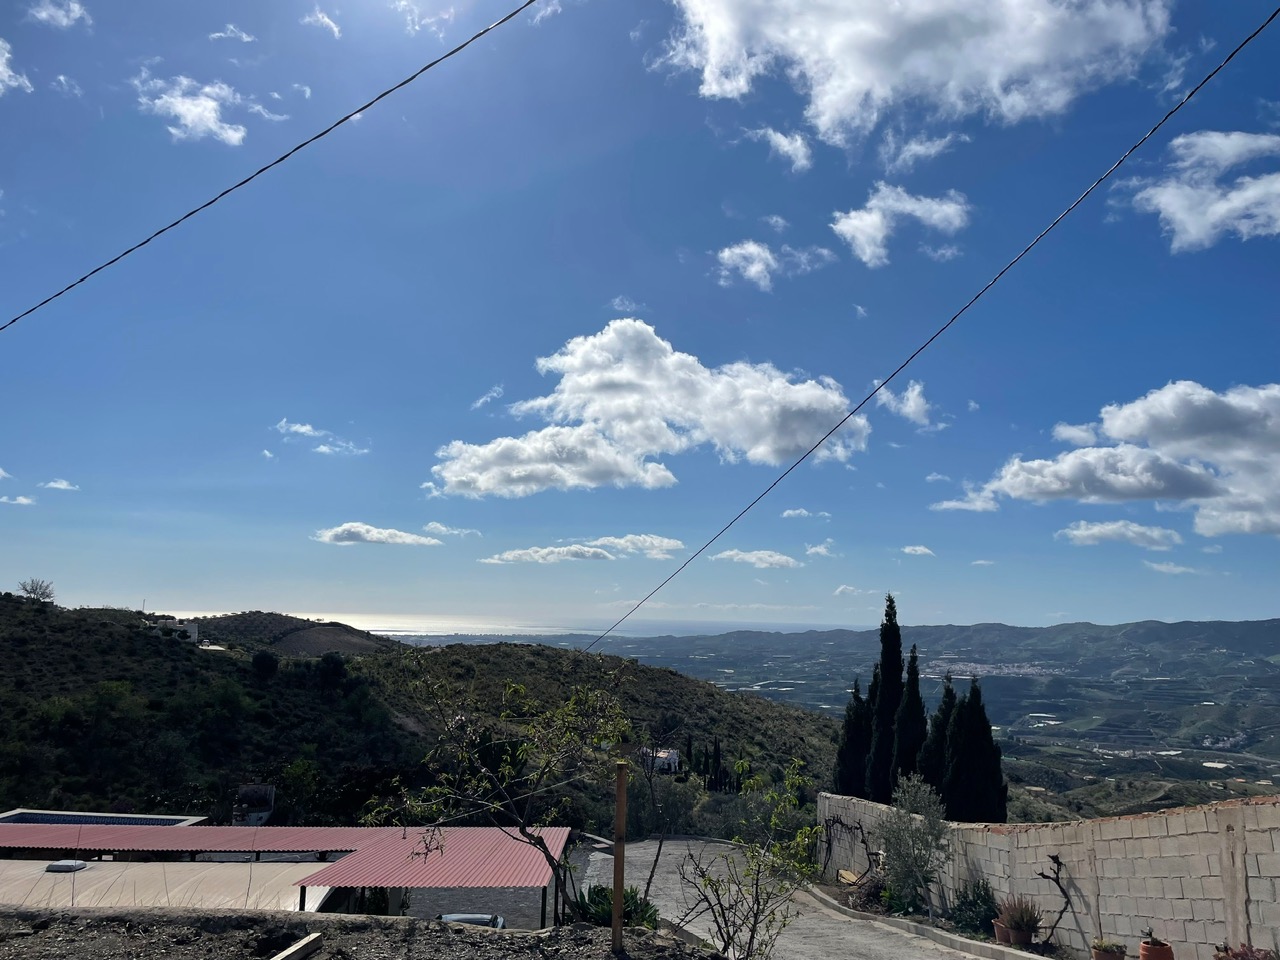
{"x":855,"y":744}
{"x":932,"y":764}
{"x":974,"y":790}
{"x":911,"y":726}
{"x":884,"y":707}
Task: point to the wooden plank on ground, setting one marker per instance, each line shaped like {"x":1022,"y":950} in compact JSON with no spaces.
{"x":303,"y":948}
{"x":847,"y":876}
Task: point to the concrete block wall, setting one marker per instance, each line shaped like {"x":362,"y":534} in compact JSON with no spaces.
{"x":1197,"y":875}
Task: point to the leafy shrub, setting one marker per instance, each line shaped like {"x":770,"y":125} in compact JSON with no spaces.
{"x":595,"y":905}
{"x":1103,"y":945}
{"x":915,"y":842}
{"x":975,"y":908}
{"x":895,"y":902}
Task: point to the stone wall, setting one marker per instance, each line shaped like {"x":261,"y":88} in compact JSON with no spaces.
{"x":1197,"y":875}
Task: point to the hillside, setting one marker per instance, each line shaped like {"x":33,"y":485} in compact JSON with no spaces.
{"x":673,"y":707}
{"x":101,"y":712}
{"x":289,"y":636}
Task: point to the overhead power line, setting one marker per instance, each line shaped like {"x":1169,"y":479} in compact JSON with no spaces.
{"x":274,"y":163}
{"x":943,"y":329}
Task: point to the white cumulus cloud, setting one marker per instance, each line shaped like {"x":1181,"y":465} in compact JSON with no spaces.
{"x":1085,"y":534}
{"x":318,"y":18}
{"x":918,"y":551}
{"x":910,"y":404}
{"x":10,"y":79}
{"x":330,"y":444}
{"x":18,"y":501}
{"x":493,"y":393}
{"x":855,"y":60}
{"x":440,"y":530}
{"x":982,"y":563}
{"x":795,"y":512}
{"x":751,"y":260}
{"x":867,"y":229}
{"x":60,"y":13}
{"x":337,"y":447}
{"x":1076,"y":434}
{"x":572,"y":551}
{"x":792,"y":147}
{"x":775,"y":222}
{"x":59,"y":485}
{"x":1216,"y":452}
{"x":756,"y":262}
{"x":301,"y":429}
{"x":761,"y":559}
{"x":848,"y":590}
{"x":415,"y":20}
{"x":1170,"y":568}
{"x":626,"y":396}
{"x":651,"y":545}
{"x":936,"y":477}
{"x":5,"y":476}
{"x":348,"y":533}
{"x":824,"y":549}
{"x":259,"y":110}
{"x":66,"y":86}
{"x":1198,"y":204}
{"x":941,"y":254}
{"x":195,"y":108}
{"x":899,"y":156}
{"x":232,"y":32}
{"x":547,"y":10}
{"x":624,"y":304}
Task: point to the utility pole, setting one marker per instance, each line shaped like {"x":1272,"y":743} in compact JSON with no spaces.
{"x":619,"y":845}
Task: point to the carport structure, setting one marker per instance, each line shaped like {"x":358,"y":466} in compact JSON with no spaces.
{"x":467,"y":857}
{"x":391,"y":858}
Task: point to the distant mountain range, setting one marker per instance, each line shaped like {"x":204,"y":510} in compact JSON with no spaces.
{"x":1126,"y":686}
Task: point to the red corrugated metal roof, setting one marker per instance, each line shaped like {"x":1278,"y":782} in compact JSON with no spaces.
{"x":468,"y":857}
{"x":382,"y":857}
{"x":108,"y":837}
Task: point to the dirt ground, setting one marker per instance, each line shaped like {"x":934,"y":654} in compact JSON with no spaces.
{"x":177,"y":934}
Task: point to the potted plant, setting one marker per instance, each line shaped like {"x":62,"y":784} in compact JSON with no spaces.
{"x":1103,"y":949}
{"x":1001,"y":931}
{"x":1022,"y":918}
{"x":1153,"y":948}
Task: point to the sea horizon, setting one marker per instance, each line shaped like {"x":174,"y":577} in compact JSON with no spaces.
{"x":433,"y":625}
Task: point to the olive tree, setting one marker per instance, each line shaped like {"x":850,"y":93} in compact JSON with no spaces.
{"x":744,"y":893}
{"x":915,"y":842}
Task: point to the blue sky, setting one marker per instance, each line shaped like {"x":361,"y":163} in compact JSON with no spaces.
{"x":514,"y":343}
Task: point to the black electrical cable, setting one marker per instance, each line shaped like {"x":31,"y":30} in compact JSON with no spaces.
{"x":943,"y":329}
{"x":276,"y":162}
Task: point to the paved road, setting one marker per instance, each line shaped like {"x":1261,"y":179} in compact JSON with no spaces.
{"x":817,"y":933}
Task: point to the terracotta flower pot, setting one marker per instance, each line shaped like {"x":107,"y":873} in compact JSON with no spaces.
{"x":1154,"y":951}
{"x":1023,"y":938}
{"x":1002,"y":932}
